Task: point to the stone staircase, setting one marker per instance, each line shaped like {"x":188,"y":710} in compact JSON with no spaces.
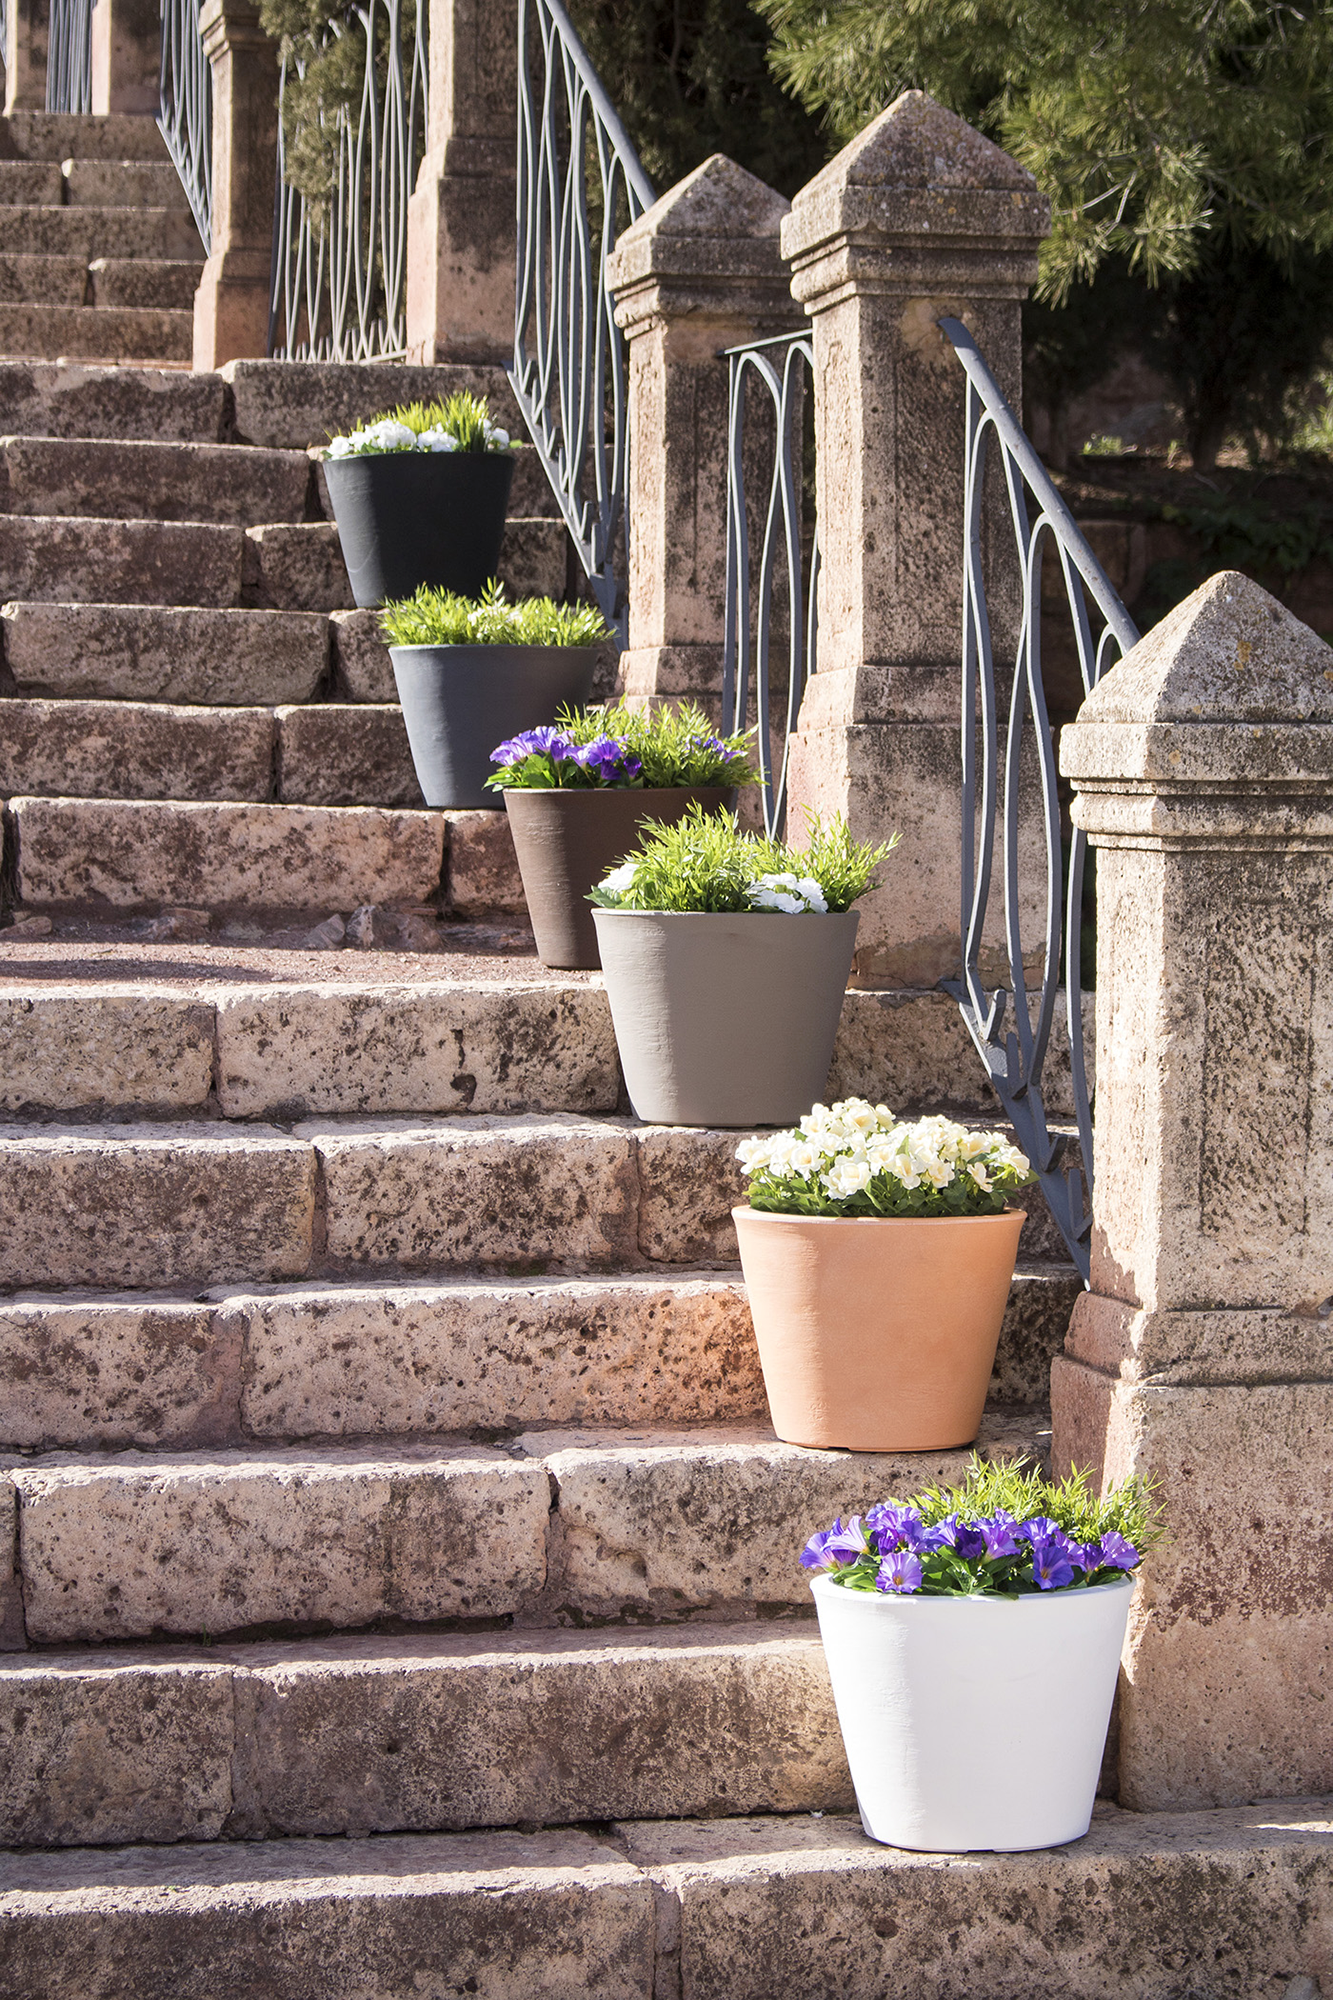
{"x":398,"y":1578}
{"x":99,"y":254}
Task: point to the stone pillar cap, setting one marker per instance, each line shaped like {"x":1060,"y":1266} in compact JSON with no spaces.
{"x":720,"y":223}
{"x":916,"y":170}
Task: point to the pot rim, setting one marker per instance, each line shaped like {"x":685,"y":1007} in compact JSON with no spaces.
{"x":620,"y":791}
{"x":824,"y":1584}
{"x":840,"y":1221}
{"x":489,"y":646}
{"x":758,"y":916}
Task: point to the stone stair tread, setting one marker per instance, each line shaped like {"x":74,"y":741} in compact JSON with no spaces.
{"x":62,"y":135}
{"x":51,"y":230}
{"x":109,"y":183}
{"x":96,"y":333}
{"x":77,"y":399}
{"x":152,"y":750}
{"x":195,"y":655}
{"x":57,"y":281}
{"x":162,"y":283}
{"x":305,"y":1736}
{"x":744,"y":1907}
{"x":142,"y":480}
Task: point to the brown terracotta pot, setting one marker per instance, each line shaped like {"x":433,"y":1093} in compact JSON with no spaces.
{"x":877,"y":1333}
{"x":566,"y":841}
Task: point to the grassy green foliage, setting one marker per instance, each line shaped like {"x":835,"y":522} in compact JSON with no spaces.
{"x":705,"y":862}
{"x":674,"y":745}
{"x":442,"y":618}
{"x":1024,"y":1491}
{"x":463,"y":415}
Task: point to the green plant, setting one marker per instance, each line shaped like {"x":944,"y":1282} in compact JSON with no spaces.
{"x":615,"y":745}
{"x":705,"y":862}
{"x":855,"y":1158}
{"x":442,"y":618}
{"x":460,"y":422}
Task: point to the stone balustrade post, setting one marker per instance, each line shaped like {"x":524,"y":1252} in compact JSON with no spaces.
{"x":698,"y":272}
{"x":231,"y":305}
{"x":27,"y":25}
{"x":917,"y":218}
{"x":460,"y":216}
{"x":1203,"y":1353}
{"x":126,"y":56}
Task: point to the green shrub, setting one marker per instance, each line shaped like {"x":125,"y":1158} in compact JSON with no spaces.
{"x":443,"y":618}
{"x":705,"y":862}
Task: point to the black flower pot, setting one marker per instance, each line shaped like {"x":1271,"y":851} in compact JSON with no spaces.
{"x":411,"y":517}
{"x":459,"y":702}
{"x":566,"y":841}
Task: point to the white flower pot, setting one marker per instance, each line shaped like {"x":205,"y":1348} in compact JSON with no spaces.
{"x":974,"y":1722}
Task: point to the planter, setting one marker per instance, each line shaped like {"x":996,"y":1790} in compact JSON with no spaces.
{"x":877,"y":1333}
{"x":567,"y":840}
{"x":974,"y":1722}
{"x":724,"y":1020}
{"x":460,"y":701}
{"x":411,"y":517}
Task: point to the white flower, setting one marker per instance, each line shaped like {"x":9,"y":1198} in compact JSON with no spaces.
{"x":388,"y":435}
{"x":496,"y":439}
{"x":621,"y":880}
{"x":754,"y":1154}
{"x":980,"y":1176}
{"x":847,"y":1177}
{"x":814,"y":895}
{"x":342,"y":447}
{"x":436,"y":440}
{"x":787,"y":893}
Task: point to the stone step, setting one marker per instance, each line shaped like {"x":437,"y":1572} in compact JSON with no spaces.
{"x":31,"y":182}
{"x":95,"y":333}
{"x":64,"y":135}
{"x":115,"y":1370}
{"x":98,"y":232}
{"x":155,"y":653}
{"x":161,"y":284}
{"x":113,"y":184}
{"x":334,"y":755}
{"x":128,"y":854}
{"x":52,"y":281}
{"x":74,"y":399}
{"x":56,"y":559}
{"x":234,"y":485}
{"x":559,"y":1528}
{"x":420,"y":1733}
{"x":148,"y":749}
{"x":721,"y":1909}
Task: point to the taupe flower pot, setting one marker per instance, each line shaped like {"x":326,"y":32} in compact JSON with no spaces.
{"x":566,"y":841}
{"x":725,"y":1020}
{"x":877,"y":1333}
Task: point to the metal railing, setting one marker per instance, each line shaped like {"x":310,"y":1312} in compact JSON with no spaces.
{"x":779,"y":373}
{"x":579,"y":185}
{"x":185,"y":113}
{"x":340,"y":266}
{"x":69,"y":56}
{"x":1015,"y":1056}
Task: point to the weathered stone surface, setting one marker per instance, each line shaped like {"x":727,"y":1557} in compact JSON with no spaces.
{"x":1232,"y":1905}
{"x":65,"y":1051}
{"x":483,"y":875}
{"x":1229,"y":1659}
{"x":333,"y":755}
{"x":295,"y":404}
{"x":117,"y":1370}
{"x":296,"y":567}
{"x":138,"y":750}
{"x":368,"y":1735}
{"x":74,"y":400}
{"x":909,"y":1048}
{"x":120,"y":184}
{"x":166,"y":284}
{"x":13,"y":1637}
{"x":62,"y":559}
{"x":58,"y":281}
{"x":534,"y":557}
{"x":152,"y":653}
{"x":115,"y":479}
{"x":102,"y":1748}
{"x":518,"y":1192}
{"x":1036,"y":1319}
{"x":362,"y":668}
{"x":137,"y":1545}
{"x":307,"y":1051}
{"x":360,"y":1361}
{"x":94,"y":333}
{"x":1260,"y":1345}
{"x":89,"y":233}
{"x":30,"y":184}
{"x":64,"y":135}
{"x":134,"y":854}
{"x":496,"y":1915}
{"x":154,"y":1204}
{"x":666,"y":1522}
{"x":689,"y":1183}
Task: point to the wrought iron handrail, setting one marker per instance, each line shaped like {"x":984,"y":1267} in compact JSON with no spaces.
{"x":69,"y":56}
{"x":340,"y":269}
{"x":185,"y":114}
{"x":569,"y":356}
{"x":1015,"y":1057}
{"x":783,"y":367}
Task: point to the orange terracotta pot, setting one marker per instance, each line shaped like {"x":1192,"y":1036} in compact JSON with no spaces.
{"x":877,"y":1333}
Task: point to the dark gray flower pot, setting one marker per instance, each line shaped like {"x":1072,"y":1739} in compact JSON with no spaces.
{"x":411,"y":517}
{"x":566,"y":841}
{"x":459,"y":702}
{"x":725,"y":1020}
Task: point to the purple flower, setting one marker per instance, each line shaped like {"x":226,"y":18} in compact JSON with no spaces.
{"x":999,"y":1535}
{"x":836,"y":1545}
{"x":970,"y":1542}
{"x":608,"y":760}
{"x":815,"y":1553}
{"x":709,"y":743}
{"x":1038,"y":1529}
{"x":1117,"y":1553}
{"x":547,"y":741}
{"x":944,"y":1534}
{"x":895,"y":1526}
{"x":1086,"y":1555}
{"x":900,"y":1573}
{"x":1052,"y":1568}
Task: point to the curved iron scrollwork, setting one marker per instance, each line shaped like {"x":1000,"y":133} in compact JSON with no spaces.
{"x":780,"y":370}
{"x":69,"y":56}
{"x":579,"y":185}
{"x":1015,"y":1056}
{"x":185,"y":116}
{"x":340,"y":265}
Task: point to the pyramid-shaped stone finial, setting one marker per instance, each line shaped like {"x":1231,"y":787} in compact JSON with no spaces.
{"x":720,"y":223}
{"x":916,"y":143}
{"x":1229,"y":653}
